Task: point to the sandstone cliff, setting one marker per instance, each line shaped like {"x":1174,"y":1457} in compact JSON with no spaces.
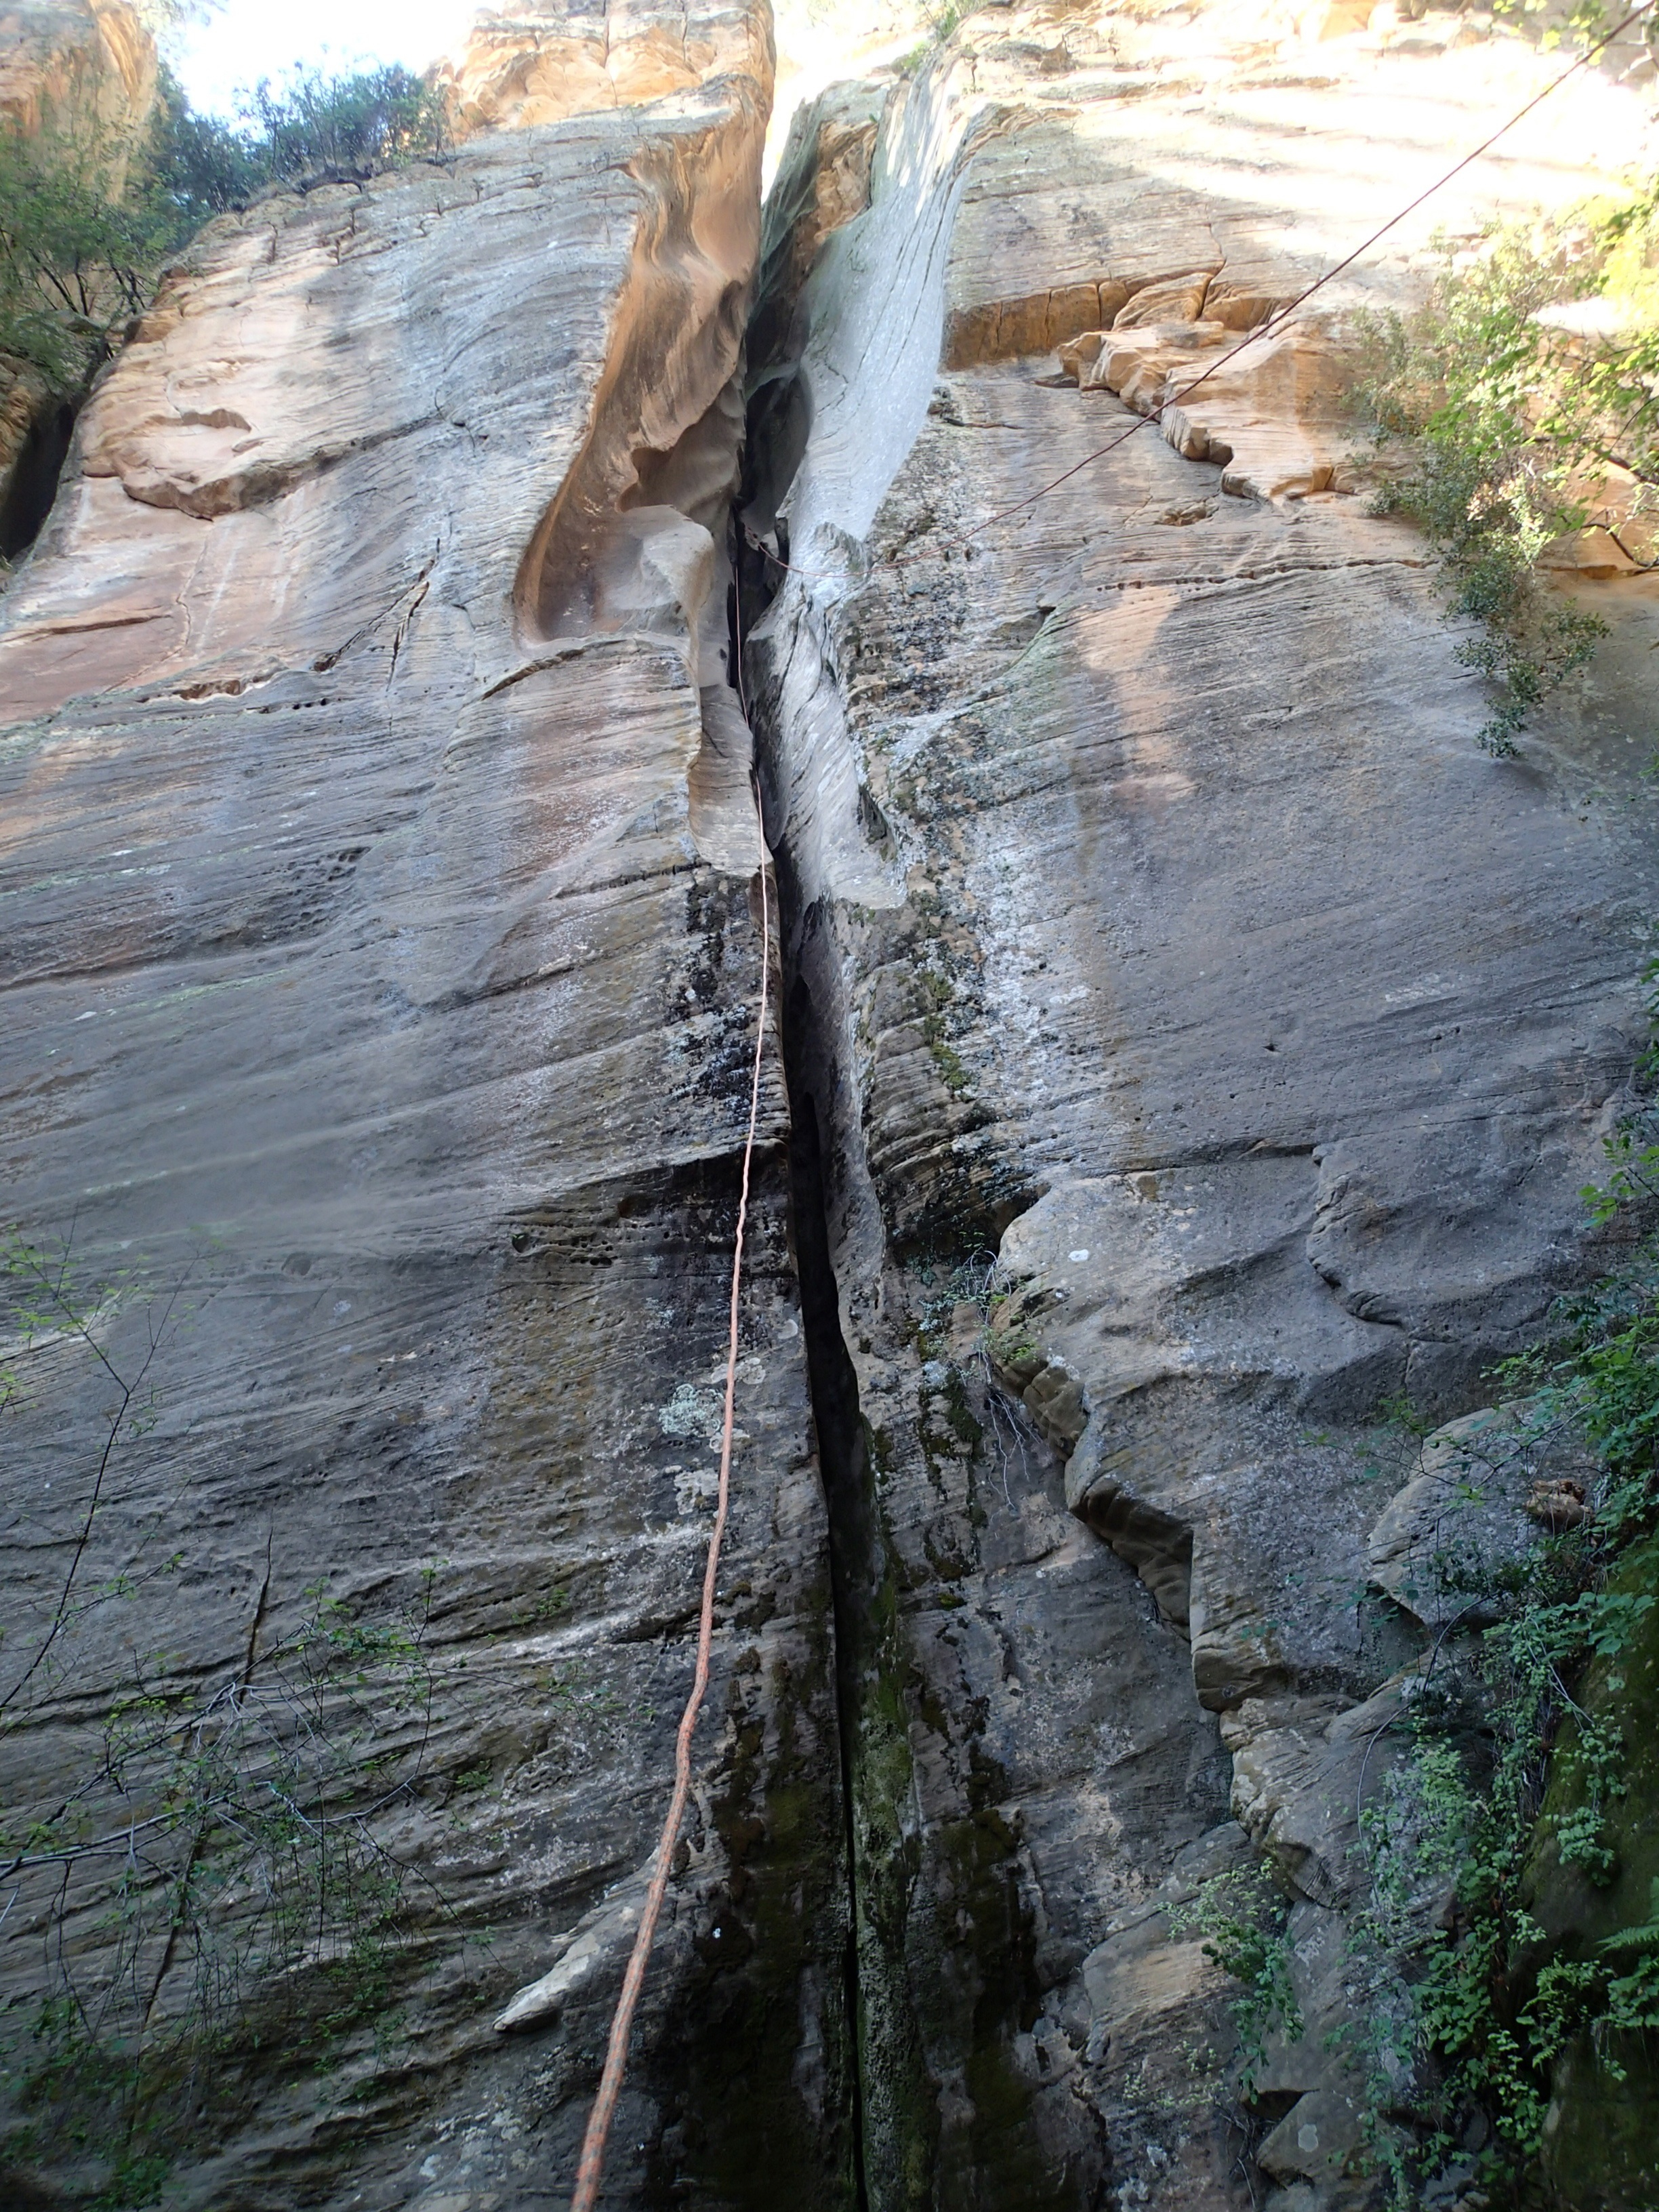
{"x":1189,"y":1042}
{"x":364,"y":815}
{"x":1159,"y":934}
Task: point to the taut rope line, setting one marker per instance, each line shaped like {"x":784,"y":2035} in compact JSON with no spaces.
{"x":591,"y":2162}
{"x":1275,"y":322}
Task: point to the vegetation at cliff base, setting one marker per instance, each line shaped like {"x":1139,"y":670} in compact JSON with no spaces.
{"x":212,"y":1881}
{"x":1502,"y":1952}
{"x":1517,"y":407}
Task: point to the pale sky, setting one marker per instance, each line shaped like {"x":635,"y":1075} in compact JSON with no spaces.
{"x":246,"y":39}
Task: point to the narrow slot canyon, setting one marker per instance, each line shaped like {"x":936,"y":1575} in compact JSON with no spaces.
{"x":945,"y":1519}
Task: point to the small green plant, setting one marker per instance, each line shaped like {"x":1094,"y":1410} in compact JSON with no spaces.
{"x":210,"y":1873}
{"x":1241,"y":1916}
{"x":1501,"y":429}
{"x":942,"y":17}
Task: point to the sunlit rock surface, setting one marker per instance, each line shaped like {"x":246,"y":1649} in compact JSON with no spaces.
{"x":75,"y":64}
{"x":1207,"y":1042}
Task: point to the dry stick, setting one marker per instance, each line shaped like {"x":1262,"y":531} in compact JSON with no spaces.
{"x":1274,"y":322}
{"x":592,"y":2163}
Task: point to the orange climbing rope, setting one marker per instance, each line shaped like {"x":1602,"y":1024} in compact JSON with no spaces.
{"x":591,"y":2162}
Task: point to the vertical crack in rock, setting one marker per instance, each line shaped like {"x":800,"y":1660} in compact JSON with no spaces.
{"x":637,"y":547}
{"x":946,"y":1509}
{"x":1109,"y":1045}
{"x":36,"y":427}
{"x":843,"y":1457}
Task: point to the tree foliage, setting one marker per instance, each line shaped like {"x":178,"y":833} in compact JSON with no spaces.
{"x":77,"y":251}
{"x":88,"y":219}
{"x":344,"y":127}
{"x":196,"y":167}
{"x":1517,"y":406}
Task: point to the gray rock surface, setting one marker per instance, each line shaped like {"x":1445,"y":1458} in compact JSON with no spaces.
{"x":1440,"y":1546}
{"x":372,"y":994}
{"x":1187,"y":1009}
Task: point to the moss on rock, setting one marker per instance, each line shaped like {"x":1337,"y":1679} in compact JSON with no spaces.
{"x":1600,"y":2147}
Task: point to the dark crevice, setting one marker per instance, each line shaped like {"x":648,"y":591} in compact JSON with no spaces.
{"x":775,"y":441}
{"x":843,"y":1459}
{"x":940,"y":1964}
{"x":33,"y":486}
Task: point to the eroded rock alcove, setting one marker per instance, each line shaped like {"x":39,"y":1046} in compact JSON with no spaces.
{"x":1189,"y":1045}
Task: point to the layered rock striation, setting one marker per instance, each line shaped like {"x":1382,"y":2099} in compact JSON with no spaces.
{"x":381,"y":954}
{"x":1203,"y":1044}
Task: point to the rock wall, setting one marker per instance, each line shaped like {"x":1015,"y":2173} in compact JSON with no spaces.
{"x":1204,"y":1043}
{"x":378,"y":908}
{"x":87,"y":70}
{"x":68,"y":64}
{"x":1189,"y":1042}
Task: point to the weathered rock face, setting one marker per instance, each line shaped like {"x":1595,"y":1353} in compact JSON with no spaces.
{"x":1188,"y":1042}
{"x":1205,"y":1043}
{"x":541,"y":63}
{"x":372,"y":987}
{"x":88,"y":72}
{"x":76,"y":64}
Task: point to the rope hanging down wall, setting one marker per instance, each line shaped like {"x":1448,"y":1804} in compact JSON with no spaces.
{"x":1274,"y":322}
{"x":591,"y":2165}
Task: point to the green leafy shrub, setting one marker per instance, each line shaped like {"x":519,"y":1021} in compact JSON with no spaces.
{"x":1502,"y":428}
{"x":196,"y":167}
{"x":1526,"y":1762}
{"x":1241,"y":1916}
{"x":1493,"y":2003}
{"x":87,"y":220}
{"x":77,"y":251}
{"x":345,"y":127}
